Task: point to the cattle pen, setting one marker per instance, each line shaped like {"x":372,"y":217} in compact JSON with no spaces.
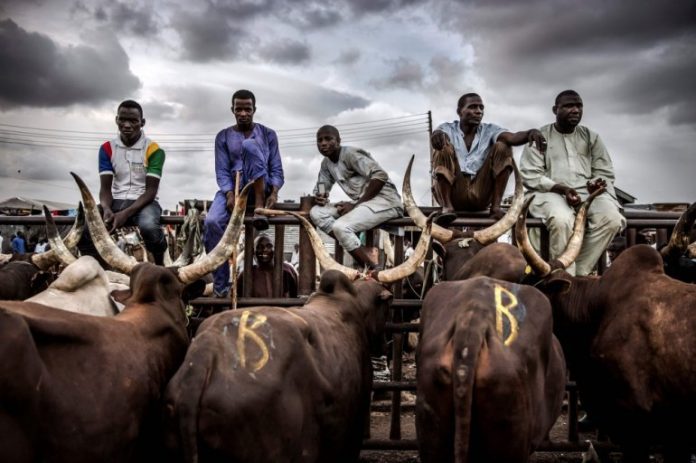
{"x":397,"y":326}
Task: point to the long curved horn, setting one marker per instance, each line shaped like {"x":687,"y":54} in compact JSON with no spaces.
{"x":679,"y":241}
{"x":57,"y":245}
{"x":490,"y":234}
{"x":323,"y":256}
{"x":412,"y":263}
{"x":443,"y":235}
{"x":225,"y":246}
{"x":106,"y":247}
{"x":48,"y":258}
{"x":539,"y":265}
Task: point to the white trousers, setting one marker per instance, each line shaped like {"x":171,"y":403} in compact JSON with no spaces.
{"x":346,"y":227}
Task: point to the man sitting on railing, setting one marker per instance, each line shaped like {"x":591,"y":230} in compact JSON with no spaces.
{"x":472,"y":160}
{"x":575,"y":164}
{"x":262,"y":272}
{"x":375,"y":199}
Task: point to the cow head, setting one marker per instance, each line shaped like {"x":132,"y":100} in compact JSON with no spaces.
{"x":679,"y":254}
{"x":110,"y":252}
{"x":460,"y":250}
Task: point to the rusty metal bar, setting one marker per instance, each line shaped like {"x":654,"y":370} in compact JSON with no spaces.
{"x":307,"y":259}
{"x":278,"y":260}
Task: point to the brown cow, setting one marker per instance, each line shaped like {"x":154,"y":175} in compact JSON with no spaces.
{"x":28,"y":274}
{"x":267,"y":384}
{"x":491,"y":374}
{"x":79,"y":388}
{"x":630,"y":338}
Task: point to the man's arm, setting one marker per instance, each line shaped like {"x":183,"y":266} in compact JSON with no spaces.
{"x":275,"y":169}
{"x":531,"y":136}
{"x":223,"y":165}
{"x":327,"y":180}
{"x":367,"y":167}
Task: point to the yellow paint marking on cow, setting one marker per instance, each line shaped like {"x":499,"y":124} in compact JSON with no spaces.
{"x":502,"y":310}
{"x":245,"y":332}
{"x":290,"y":312}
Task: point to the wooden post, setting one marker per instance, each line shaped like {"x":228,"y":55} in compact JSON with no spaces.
{"x":233,"y":257}
{"x":308,"y":267}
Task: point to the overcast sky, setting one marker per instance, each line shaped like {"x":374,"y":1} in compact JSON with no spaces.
{"x":373,"y":68}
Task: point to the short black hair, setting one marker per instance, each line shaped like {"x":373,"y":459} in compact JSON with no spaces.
{"x":330,"y":129}
{"x":565,"y":93}
{"x":131,"y":104}
{"x":244,"y":95}
{"x":462,"y":100}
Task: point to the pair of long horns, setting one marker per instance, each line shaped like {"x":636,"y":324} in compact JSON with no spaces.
{"x":487,"y":235}
{"x":62,"y":255}
{"x":535,"y":261}
{"x":120,"y":261}
{"x":384,"y":276}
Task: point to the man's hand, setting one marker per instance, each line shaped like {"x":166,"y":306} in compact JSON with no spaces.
{"x":344,"y":207}
{"x":571,"y":196}
{"x":272,"y":200}
{"x":108,"y":215}
{"x":439,"y":140}
{"x":534,"y":137}
{"x":118,"y":220}
{"x":595,"y":185}
{"x":230,"y":200}
{"x":321,"y":199}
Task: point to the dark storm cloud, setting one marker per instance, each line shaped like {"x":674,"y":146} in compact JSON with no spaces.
{"x":206,"y":38}
{"x":140,"y":20}
{"x":348,"y":57}
{"x":631,"y":55}
{"x":286,"y":51}
{"x":47,"y":74}
{"x":379,"y":6}
{"x":404,"y":73}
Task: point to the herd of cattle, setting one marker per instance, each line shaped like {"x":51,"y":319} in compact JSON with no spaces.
{"x":98,"y":366}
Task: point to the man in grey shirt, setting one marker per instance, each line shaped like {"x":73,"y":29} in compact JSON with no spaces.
{"x":374,"y":197}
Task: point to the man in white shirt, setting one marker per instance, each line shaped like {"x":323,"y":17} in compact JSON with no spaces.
{"x":575,"y":164}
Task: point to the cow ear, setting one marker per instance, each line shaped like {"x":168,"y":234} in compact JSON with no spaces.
{"x":121,"y":295}
{"x":557,"y":285}
{"x":40,"y":281}
{"x":439,"y":249}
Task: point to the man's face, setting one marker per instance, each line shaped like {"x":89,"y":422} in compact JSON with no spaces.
{"x":243,"y":111}
{"x":472,"y":111}
{"x":328,"y":143}
{"x":264,"y":251}
{"x":129,"y":124}
{"x":568,"y":111}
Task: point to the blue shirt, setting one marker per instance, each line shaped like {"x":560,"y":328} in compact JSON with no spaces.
{"x":228,"y":157}
{"x":470,"y":161}
{"x":18,"y":245}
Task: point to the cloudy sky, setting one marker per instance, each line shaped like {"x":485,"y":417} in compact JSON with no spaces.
{"x":373,"y":68}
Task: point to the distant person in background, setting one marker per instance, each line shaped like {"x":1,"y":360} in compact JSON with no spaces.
{"x":252,"y":150}
{"x":41,"y":246}
{"x":574,"y":165}
{"x":19,"y":244}
{"x":130,"y":169}
{"x":408,"y":250}
{"x":295,"y":258}
{"x":262,"y":271}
